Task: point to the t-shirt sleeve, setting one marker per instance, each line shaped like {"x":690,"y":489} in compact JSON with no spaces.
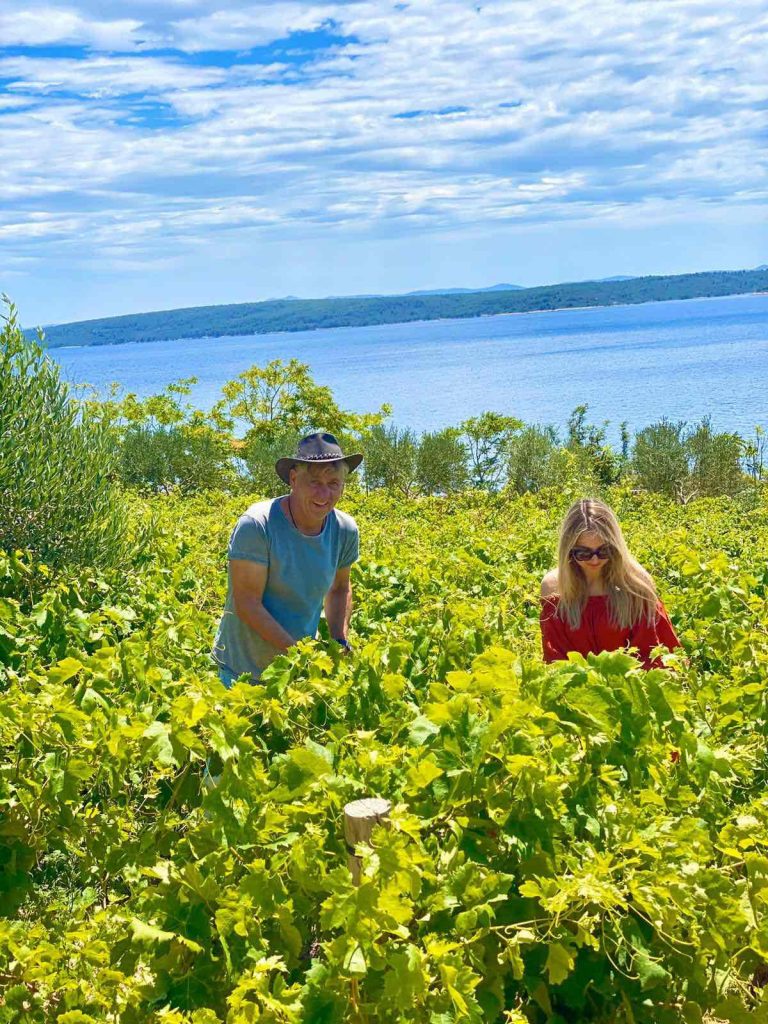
{"x":554,"y":632}
{"x":249,"y":542}
{"x":646,"y":636}
{"x":349,"y":550}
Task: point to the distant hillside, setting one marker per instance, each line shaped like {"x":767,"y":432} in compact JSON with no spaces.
{"x":310,"y":314}
{"x":467,"y":291}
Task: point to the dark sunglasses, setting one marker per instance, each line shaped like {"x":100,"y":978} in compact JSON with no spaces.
{"x":585,"y":554}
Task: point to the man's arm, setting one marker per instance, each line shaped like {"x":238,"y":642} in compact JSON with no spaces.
{"x":248,"y":582}
{"x":338,"y":604}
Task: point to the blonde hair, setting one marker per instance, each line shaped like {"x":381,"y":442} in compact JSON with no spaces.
{"x":631,"y":591}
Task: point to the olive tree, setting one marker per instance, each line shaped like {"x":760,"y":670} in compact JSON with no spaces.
{"x":59,"y":490}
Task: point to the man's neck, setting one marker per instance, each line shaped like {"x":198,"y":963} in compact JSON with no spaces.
{"x":311,"y":529}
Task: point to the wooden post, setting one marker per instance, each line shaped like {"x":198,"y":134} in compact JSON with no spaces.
{"x":360,"y":816}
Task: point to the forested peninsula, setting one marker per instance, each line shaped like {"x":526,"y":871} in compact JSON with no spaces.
{"x":311,"y":314}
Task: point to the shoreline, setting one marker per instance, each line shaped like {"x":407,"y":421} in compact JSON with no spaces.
{"x":400,"y":323}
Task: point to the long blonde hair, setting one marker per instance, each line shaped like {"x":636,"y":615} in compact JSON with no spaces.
{"x":630,"y":589}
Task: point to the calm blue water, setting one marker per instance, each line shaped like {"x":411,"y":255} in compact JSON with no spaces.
{"x":683,"y":360}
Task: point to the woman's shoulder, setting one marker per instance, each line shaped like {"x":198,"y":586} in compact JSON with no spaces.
{"x":549,"y":585}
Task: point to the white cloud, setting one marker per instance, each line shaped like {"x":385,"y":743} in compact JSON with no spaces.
{"x":567,"y":110}
{"x":233,"y":28}
{"x":103,"y":76}
{"x":48,"y":25}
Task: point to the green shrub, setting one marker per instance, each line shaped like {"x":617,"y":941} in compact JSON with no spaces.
{"x":594,"y":456}
{"x":280,"y":403}
{"x":442,"y":462}
{"x":536,"y":460}
{"x":261,"y":448}
{"x":390,"y":459}
{"x":581,"y":843}
{"x":58,"y":491}
{"x":487,"y":438}
{"x":166,"y":444}
{"x":715,"y":461}
{"x":685,"y":462}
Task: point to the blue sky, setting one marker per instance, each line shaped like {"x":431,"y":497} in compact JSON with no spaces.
{"x":160,"y":154}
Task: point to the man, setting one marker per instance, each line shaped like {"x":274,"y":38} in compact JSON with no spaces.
{"x":289,"y":557}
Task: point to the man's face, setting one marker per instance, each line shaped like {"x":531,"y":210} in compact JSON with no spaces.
{"x":315,"y":490}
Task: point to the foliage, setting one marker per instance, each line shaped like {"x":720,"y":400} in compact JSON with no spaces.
{"x":583,"y":842}
{"x":715,"y":461}
{"x":755,"y":455}
{"x":279,"y":403}
{"x":536,"y":459}
{"x":660,"y":459}
{"x":58,"y":495}
{"x":685,"y":462}
{"x":166,"y":444}
{"x":442,"y":462}
{"x":391,"y":459}
{"x":595,"y":457}
{"x":488,"y":437}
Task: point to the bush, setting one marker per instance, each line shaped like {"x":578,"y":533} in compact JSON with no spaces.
{"x":487,"y":437}
{"x":594,"y":456}
{"x":536,"y":459}
{"x":442,"y":462}
{"x":168,"y":445}
{"x":58,"y":484}
{"x":715,"y":461}
{"x":686,"y":462}
{"x":261,"y":448}
{"x":390,"y":459}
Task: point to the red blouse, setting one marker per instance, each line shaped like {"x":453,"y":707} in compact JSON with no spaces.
{"x":597,"y":633}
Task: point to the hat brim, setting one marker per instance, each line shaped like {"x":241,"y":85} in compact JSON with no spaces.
{"x":283,"y":466}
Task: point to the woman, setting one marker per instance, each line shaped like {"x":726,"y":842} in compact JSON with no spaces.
{"x":600,"y":598}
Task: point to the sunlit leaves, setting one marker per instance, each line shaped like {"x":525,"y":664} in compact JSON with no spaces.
{"x":565,"y":842}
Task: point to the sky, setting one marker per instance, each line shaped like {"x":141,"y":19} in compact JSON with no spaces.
{"x":164,"y":154}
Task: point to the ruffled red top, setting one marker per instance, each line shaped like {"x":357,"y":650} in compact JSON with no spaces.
{"x":596,"y":632}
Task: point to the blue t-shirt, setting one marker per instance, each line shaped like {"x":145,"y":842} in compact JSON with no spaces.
{"x":300,"y":571}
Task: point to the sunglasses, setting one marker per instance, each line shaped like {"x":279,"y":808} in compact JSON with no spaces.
{"x":585,"y":554}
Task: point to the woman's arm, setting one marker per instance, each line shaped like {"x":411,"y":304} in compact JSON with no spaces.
{"x":646,"y":636}
{"x":554,"y":632}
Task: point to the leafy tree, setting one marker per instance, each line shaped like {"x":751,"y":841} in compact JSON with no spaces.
{"x":58,"y":483}
{"x":280,"y":393}
{"x":487,"y":437}
{"x":167,"y":444}
{"x":580,"y":433}
{"x":626,"y":442}
{"x":660,"y":458}
{"x":715,"y":461}
{"x":259,"y":451}
{"x":278,"y":403}
{"x":391,"y":457}
{"x":754,"y":455}
{"x":686,"y":462}
{"x":595,"y":456}
{"x":442,"y":463}
{"x":536,"y":459}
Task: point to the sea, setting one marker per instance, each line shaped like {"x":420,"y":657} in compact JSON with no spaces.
{"x":683,"y":360}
